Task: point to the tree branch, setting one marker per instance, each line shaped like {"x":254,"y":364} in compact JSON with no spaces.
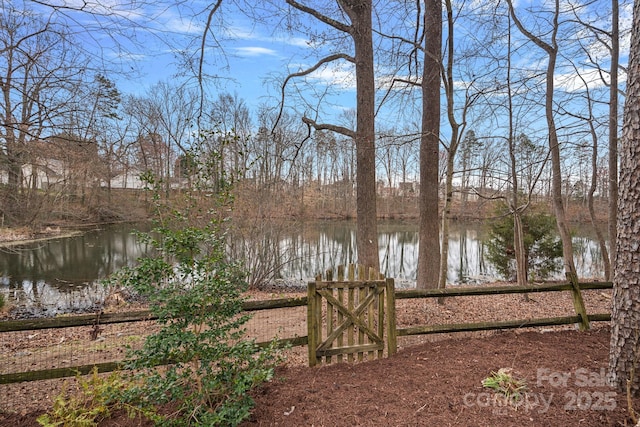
{"x":536,"y":40}
{"x":201,"y":61}
{"x":308,"y":71}
{"x":325,"y":126}
{"x":320,"y":17}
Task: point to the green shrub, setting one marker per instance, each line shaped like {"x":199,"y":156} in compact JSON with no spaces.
{"x":2,"y":301}
{"x":543,"y":249}
{"x":210,"y":368}
{"x":198,"y":364}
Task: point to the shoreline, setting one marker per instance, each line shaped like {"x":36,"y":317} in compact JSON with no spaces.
{"x":11,"y":239}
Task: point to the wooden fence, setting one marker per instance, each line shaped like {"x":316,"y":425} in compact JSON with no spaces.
{"x":96,"y":320}
{"x":580,"y":318}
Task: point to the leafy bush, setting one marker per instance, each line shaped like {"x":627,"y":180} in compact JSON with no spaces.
{"x":198,"y":301}
{"x":543,"y":249}
{"x":199,"y":365}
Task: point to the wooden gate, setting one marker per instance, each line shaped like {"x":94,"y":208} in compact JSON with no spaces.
{"x":347,"y":317}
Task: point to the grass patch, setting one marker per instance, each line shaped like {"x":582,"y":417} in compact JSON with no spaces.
{"x":504,"y":383}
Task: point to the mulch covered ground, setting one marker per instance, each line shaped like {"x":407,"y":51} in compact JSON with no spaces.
{"x":439,"y":384}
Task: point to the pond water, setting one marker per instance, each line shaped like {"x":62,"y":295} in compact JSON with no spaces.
{"x":64,"y":275}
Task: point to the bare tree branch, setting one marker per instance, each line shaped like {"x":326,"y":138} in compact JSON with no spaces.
{"x":320,"y":17}
{"x":308,"y":71}
{"x":325,"y":126}
{"x":207,"y":28}
{"x":539,"y":42}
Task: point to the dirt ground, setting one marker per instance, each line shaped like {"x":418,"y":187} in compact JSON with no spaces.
{"x":432,"y":380}
{"x":439,"y":384}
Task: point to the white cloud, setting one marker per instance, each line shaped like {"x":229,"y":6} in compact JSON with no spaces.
{"x":336,"y":74}
{"x":242,"y":33}
{"x":177,"y":24}
{"x":295,"y":41}
{"x":128,"y":56}
{"x":255,"y":51}
{"x":574,"y":82}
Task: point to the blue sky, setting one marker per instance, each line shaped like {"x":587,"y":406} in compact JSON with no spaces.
{"x":247,"y":60}
{"x":250,"y":57}
{"x":152,"y":37}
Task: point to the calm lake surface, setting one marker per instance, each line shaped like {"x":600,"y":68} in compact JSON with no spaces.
{"x":63,"y":275}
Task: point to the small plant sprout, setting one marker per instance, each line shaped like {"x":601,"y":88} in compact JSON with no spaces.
{"x":503,"y":382}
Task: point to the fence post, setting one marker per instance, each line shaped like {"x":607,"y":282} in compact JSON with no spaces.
{"x":392,"y":343}
{"x":578,"y":302}
{"x":312,"y":329}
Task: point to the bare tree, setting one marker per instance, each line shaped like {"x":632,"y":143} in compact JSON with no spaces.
{"x":165,"y":117}
{"x":231,"y":114}
{"x":589,"y":119}
{"x":453,"y":70}
{"x":515,"y":208}
{"x":429,"y":246}
{"x":93,"y":120}
{"x":597,"y":39}
{"x":613,"y":132}
{"x":551,"y":49}
{"x":521,"y":151}
{"x":359,"y":30}
{"x":413,"y":59}
{"x":39,"y":71}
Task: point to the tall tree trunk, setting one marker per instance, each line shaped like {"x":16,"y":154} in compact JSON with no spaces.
{"x":556,"y":177}
{"x":366,"y":211}
{"x":429,"y":245}
{"x":454,"y":142}
{"x":625,"y":317}
{"x":613,"y":134}
{"x":556,"y":164}
{"x":593,"y":186}
{"x":14,"y":160}
{"x":522,"y":273}
{"x":361,"y":32}
{"x":446,"y":210}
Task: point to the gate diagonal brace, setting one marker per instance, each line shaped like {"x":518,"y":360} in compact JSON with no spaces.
{"x":351,"y":318}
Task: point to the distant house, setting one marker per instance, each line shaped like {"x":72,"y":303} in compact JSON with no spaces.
{"x":70,"y":164}
{"x":43,"y":174}
{"x":60,"y":161}
{"x":128,"y":178}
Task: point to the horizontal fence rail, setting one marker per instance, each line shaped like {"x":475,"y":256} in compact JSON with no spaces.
{"x":492,"y":290}
{"x":97,"y":319}
{"x":134,"y":316}
{"x":145,"y":315}
{"x":501,"y":290}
